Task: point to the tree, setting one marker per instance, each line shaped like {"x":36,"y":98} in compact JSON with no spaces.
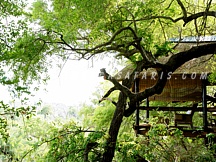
{"x":134,"y":30}
{"x":11,"y":27}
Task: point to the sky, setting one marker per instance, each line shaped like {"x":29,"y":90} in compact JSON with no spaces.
{"x":77,"y":81}
{"x":73,"y":86}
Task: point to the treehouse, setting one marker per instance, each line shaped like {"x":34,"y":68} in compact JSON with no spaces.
{"x":187,"y":84}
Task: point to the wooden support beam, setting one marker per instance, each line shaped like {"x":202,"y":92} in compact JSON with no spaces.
{"x":137,"y":104}
{"x":147,"y":105}
{"x":204,"y":104}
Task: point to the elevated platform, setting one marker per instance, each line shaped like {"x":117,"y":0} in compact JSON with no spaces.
{"x":187,"y":132}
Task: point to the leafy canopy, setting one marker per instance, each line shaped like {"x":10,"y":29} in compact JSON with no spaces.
{"x":83,"y":25}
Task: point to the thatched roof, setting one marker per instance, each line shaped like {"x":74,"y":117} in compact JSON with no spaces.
{"x":177,"y":88}
{"x":197,"y":65}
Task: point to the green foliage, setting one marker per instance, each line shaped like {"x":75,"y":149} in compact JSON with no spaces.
{"x":65,"y":144}
{"x":62,"y":26}
{"x":65,"y":17}
{"x":176,"y":147}
{"x":135,"y":58}
{"x":212,"y":77}
{"x":12,"y":8}
{"x":163,"y":50}
{"x":40,"y":140}
{"x":21,"y":62}
{"x":8,"y":112}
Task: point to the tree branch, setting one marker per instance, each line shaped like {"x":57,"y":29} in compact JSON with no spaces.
{"x":106,"y":98}
{"x":108,"y":93}
{"x":117,"y":85}
{"x":182,"y":8}
{"x":159,"y":17}
{"x":185,"y":19}
{"x":199,"y":14}
{"x":156,"y":89}
{"x":112,"y":38}
{"x":133,"y":17}
{"x":128,"y":53}
{"x":89,"y":146}
{"x":180,"y":58}
{"x":107,"y":46}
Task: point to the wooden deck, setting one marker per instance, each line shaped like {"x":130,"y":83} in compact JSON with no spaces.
{"x":187,"y":131}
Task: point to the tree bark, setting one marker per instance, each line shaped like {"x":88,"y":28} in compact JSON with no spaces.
{"x":114,"y":129}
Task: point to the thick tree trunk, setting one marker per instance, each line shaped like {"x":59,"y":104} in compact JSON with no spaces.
{"x":114,"y":129}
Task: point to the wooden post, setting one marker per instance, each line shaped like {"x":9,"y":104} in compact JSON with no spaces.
{"x":137,"y":104}
{"x":204,"y":105}
{"x":147,"y":105}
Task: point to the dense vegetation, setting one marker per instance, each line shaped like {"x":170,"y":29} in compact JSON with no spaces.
{"x":130,"y":31}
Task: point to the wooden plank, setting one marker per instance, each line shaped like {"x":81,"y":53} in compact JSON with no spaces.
{"x":211,"y":109}
{"x":176,"y":108}
{"x":196,"y":133}
{"x":142,"y":126}
{"x":204,"y":105}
